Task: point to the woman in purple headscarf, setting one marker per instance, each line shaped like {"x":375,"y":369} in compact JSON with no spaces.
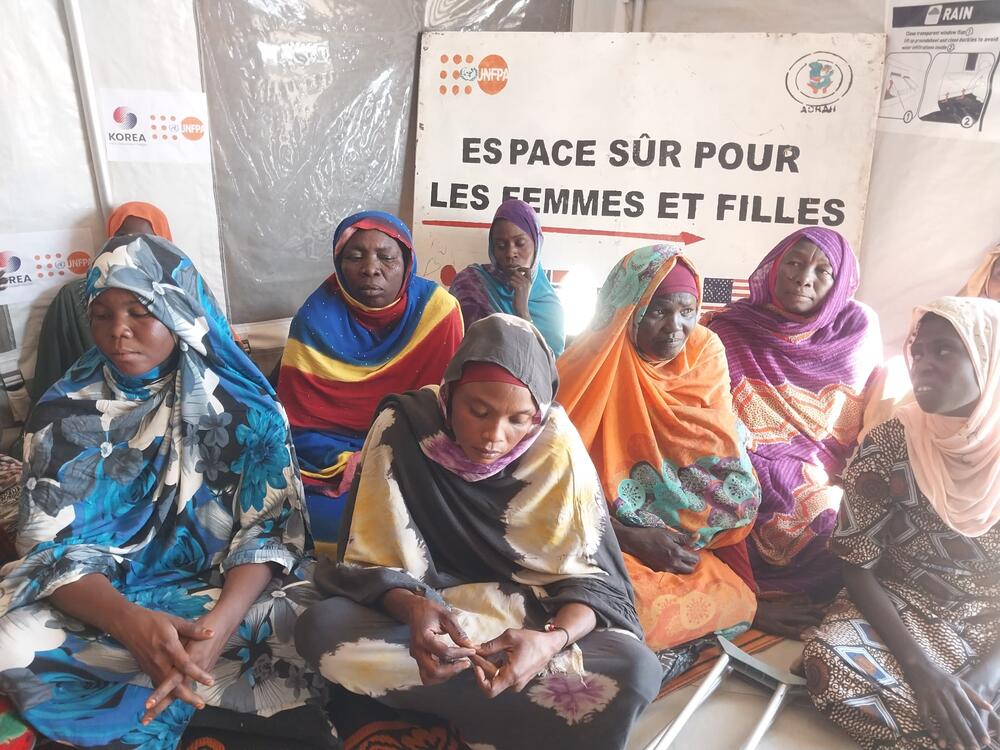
{"x":513,"y":281}
{"x":801,"y":351}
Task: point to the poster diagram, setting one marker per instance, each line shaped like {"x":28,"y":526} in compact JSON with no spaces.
{"x":941,"y":70}
{"x":905,"y":73}
{"x":957,"y":87}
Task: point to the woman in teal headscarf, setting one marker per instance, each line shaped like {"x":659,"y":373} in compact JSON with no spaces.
{"x":513,"y":281}
{"x":162,"y":534}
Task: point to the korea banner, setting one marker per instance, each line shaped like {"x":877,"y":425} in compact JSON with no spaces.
{"x":724,"y":143}
{"x":34,"y":265}
{"x":145,"y":125}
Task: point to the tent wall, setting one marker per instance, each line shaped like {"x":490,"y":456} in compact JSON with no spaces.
{"x":932,"y":207}
{"x":147,"y":45}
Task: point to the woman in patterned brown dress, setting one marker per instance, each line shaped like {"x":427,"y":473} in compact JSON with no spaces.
{"x":909,"y":654}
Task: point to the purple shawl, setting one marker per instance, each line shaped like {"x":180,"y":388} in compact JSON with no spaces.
{"x":798,"y":385}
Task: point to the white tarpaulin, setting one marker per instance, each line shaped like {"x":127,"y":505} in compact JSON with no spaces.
{"x":941,"y":68}
{"x":725,"y":142}
{"x":145,"y":125}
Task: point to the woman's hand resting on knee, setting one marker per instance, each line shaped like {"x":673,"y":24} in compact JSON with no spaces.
{"x":161,"y":644}
{"x":155,"y":639}
{"x":954,"y":711}
{"x":660,"y":549}
{"x":242,"y":585}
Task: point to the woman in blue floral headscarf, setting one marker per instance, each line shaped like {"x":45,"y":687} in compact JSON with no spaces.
{"x":162,"y":535}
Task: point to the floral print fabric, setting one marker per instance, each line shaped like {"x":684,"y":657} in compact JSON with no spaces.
{"x":161,"y":483}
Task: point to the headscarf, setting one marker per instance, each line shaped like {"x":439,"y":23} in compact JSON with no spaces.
{"x":65,"y":332}
{"x":956,"y":461}
{"x":140,"y":210}
{"x":343,"y":357}
{"x":663,"y":435}
{"x":680,"y":280}
{"x":978,"y":283}
{"x":482,"y":289}
{"x":526,"y":358}
{"x":161,"y":476}
{"x":798,"y":385}
{"x":418,"y":520}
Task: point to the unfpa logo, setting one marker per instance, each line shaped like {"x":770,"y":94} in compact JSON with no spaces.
{"x":490,"y":74}
{"x":493,"y":74}
{"x":192,"y":128}
{"x":125,"y":118}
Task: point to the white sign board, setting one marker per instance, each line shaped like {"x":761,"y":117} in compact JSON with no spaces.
{"x":725,"y":142}
{"x":941,"y":70}
{"x":33,"y":265}
{"x":146,"y":125}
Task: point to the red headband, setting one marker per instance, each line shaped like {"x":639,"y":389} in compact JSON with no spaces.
{"x":486,"y":372}
{"x":680,"y":279}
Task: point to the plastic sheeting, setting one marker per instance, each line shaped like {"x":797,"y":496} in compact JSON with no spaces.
{"x":310,"y":104}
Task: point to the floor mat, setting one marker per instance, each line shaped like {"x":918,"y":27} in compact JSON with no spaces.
{"x":366,"y":724}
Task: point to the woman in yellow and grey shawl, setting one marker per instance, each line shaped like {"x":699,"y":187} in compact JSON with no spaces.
{"x":479,"y":579}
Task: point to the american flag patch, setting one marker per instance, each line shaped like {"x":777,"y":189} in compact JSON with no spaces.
{"x":718,"y":294}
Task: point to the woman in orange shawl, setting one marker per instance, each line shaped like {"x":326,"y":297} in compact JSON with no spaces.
{"x":648,"y":390}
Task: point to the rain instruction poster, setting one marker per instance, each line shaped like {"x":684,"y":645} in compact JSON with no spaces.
{"x":941,"y":70}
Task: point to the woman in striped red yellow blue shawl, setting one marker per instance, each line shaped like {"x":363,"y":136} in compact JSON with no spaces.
{"x":372,"y":328}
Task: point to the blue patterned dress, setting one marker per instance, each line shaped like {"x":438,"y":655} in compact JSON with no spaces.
{"x":161,"y":483}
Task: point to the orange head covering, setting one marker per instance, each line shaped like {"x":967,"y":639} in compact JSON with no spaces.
{"x":156,"y":218}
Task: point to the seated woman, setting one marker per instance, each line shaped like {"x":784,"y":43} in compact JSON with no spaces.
{"x":372,"y":328}
{"x":801,"y":351}
{"x":478,"y":579}
{"x":65,"y":333}
{"x":648,"y":389}
{"x":513,"y":281}
{"x":891,"y":389}
{"x":909,"y":655}
{"x":985,"y":280}
{"x":161,"y":517}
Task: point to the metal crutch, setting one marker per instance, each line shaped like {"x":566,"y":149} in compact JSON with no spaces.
{"x":666,"y":737}
{"x":782,"y":683}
